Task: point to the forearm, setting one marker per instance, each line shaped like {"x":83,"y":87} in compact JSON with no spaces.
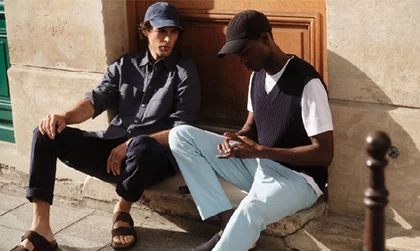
{"x":162,"y":138}
{"x":309,"y":155}
{"x":81,"y":112}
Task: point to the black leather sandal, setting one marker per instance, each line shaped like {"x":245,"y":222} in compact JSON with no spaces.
{"x":38,"y":241}
{"x":123,"y":217}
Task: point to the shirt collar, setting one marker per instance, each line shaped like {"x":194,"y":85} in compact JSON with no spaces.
{"x":168,"y":61}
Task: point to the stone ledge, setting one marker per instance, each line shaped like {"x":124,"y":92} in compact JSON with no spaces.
{"x":164,"y":198}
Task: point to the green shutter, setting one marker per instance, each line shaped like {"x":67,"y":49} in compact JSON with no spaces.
{"x":6,"y":124}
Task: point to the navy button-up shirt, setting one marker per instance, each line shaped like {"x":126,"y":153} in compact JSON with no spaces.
{"x":148,"y":97}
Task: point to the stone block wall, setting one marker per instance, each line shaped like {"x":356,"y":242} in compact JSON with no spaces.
{"x":374,"y":84}
{"x":59,"y":51}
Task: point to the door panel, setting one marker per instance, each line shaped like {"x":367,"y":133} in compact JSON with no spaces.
{"x":6,"y":125}
{"x":4,"y":87}
{"x":298,"y":28}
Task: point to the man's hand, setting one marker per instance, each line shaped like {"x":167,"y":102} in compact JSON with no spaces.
{"x":52,"y":124}
{"x":116,"y":158}
{"x":245,"y":148}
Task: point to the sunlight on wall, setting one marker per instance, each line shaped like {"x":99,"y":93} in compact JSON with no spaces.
{"x":400,"y":220}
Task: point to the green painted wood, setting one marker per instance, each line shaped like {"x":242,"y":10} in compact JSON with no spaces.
{"x":6,"y":124}
{"x":7,"y":135}
{"x":4,"y":65}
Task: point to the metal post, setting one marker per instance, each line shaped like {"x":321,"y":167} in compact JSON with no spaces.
{"x":377,"y":145}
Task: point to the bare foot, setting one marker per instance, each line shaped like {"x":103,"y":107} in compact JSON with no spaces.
{"x":122,"y":239}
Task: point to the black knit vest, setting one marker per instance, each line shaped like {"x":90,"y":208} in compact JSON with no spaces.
{"x":278,"y":114}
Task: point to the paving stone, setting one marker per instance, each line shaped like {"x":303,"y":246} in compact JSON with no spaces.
{"x":91,"y":233}
{"x":9,"y":202}
{"x":61,"y":217}
{"x":9,"y":238}
{"x":163,"y":240}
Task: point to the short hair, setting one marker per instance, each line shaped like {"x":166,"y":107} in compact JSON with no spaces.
{"x":142,"y":28}
{"x":147,"y":26}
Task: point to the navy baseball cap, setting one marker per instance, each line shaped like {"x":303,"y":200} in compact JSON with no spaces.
{"x":162,"y":14}
{"x":244,"y":26}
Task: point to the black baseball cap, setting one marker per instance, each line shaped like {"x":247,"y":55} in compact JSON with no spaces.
{"x":245,"y":25}
{"x":162,"y":14}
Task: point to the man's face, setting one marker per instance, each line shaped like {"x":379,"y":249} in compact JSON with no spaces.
{"x":253,"y":55}
{"x":162,"y":41}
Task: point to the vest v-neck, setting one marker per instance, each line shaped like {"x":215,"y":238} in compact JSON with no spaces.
{"x":272,"y":95}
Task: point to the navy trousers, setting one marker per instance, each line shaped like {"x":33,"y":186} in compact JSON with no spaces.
{"x":146,"y":162}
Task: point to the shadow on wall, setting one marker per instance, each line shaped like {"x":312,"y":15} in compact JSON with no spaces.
{"x":348,"y":174}
{"x":353,"y":120}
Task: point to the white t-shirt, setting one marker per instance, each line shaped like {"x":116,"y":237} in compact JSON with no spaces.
{"x":316,"y":113}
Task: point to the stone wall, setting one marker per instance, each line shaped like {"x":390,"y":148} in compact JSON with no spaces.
{"x":374,"y":78}
{"x":59,"y":51}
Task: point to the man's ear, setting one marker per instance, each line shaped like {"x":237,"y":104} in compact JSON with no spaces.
{"x":264,"y":37}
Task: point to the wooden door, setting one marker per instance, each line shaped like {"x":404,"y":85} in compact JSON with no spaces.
{"x":298,"y":28}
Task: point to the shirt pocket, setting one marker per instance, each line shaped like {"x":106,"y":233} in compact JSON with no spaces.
{"x":160,"y":105}
{"x":130,"y":99}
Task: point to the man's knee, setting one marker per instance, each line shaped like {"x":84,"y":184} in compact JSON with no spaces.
{"x":37,"y":134}
{"x":146,"y":156}
{"x":66,"y":134}
{"x":178,"y":134}
{"x":254,"y":210}
{"x":142,"y":144}
{"x":39,"y":139}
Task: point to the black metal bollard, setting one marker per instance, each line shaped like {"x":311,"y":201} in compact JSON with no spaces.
{"x":377,"y":145}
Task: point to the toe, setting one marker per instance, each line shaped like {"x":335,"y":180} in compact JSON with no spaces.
{"x":116,"y":240}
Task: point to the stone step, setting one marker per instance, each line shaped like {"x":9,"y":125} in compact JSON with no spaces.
{"x":165,"y":198}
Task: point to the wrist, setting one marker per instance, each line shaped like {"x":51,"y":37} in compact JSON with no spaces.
{"x":262,"y":152}
{"x":66,"y":117}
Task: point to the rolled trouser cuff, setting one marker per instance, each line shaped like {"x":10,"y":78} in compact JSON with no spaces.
{"x":40,"y":194}
{"x":123,"y":193}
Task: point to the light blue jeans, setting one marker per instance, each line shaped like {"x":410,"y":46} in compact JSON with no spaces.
{"x":274,"y":191}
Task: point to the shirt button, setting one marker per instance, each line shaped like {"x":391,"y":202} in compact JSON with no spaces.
{"x":129,"y":131}
{"x":143,"y":105}
{"x":136,"y":121}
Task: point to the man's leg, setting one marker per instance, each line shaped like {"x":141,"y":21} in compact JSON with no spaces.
{"x":195,"y":151}
{"x":147,"y":163}
{"x":43,"y":169}
{"x":277,"y":192}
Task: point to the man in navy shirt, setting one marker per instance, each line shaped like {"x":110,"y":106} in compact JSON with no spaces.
{"x":152,"y":92}
{"x":281,"y":154}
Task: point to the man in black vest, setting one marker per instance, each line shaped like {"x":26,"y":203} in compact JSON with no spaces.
{"x":281,"y":154}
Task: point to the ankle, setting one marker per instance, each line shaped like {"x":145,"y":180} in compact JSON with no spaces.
{"x":123,"y":206}
{"x":44,"y":231}
{"x":41,"y":226}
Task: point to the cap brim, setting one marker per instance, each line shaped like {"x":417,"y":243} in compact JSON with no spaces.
{"x":230,"y":47}
{"x":165,"y":23}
